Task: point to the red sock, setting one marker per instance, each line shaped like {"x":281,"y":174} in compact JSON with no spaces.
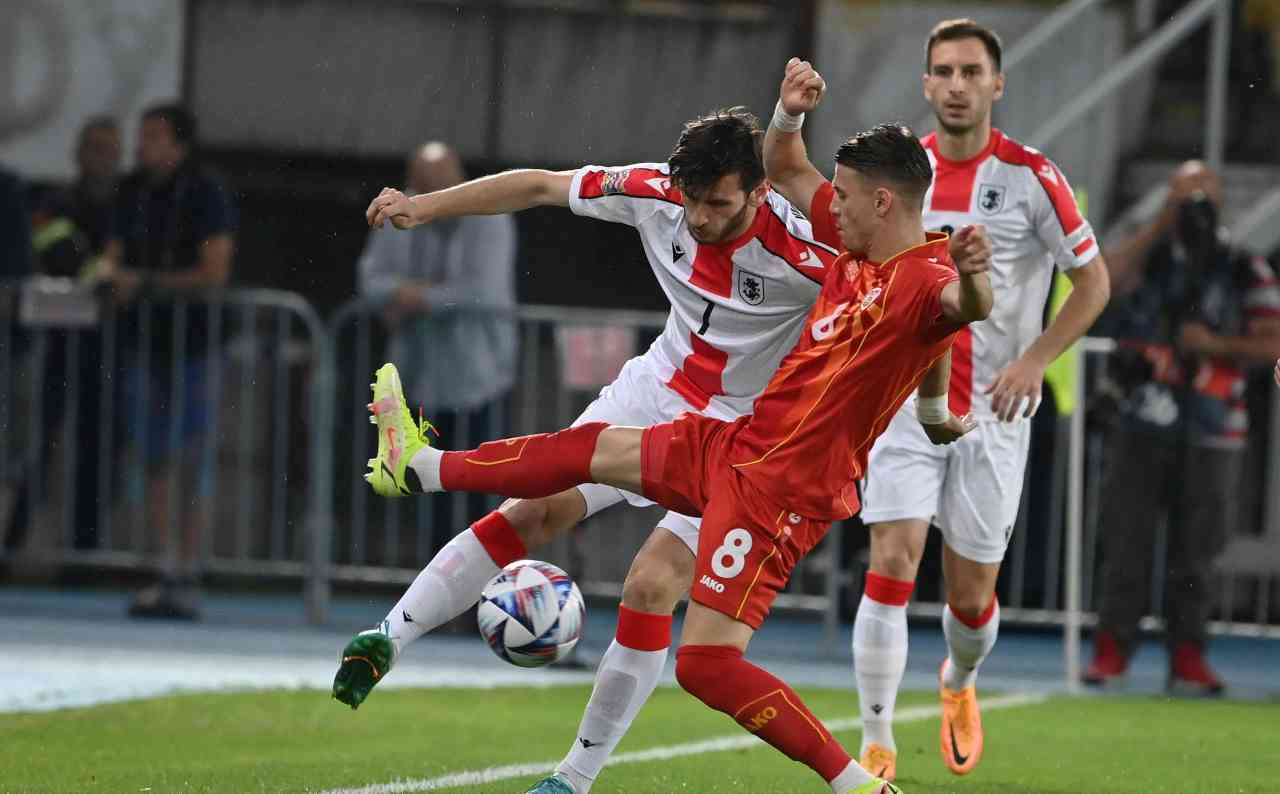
{"x":761,"y":703}
{"x":499,"y":539}
{"x":975,"y":622}
{"x":527,"y":467}
{"x":643,"y":631}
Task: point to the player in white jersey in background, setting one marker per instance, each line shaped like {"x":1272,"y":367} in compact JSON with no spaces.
{"x":741,"y":270}
{"x":970,"y":489}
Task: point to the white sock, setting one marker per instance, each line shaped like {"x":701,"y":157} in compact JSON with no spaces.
{"x":879,"y":661}
{"x":624,"y":681}
{"x":852,"y":777}
{"x":446,"y":588}
{"x":426,"y":464}
{"x":967,"y":647}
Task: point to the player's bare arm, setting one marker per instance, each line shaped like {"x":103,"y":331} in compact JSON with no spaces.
{"x":510,"y":191}
{"x":968,"y":299}
{"x":940,"y":425}
{"x":1016,"y":388}
{"x":786,"y":161}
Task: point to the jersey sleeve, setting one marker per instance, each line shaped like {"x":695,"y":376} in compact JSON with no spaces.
{"x":824,"y":227}
{"x":933,"y":279}
{"x":1061,"y":227}
{"x":1262,"y":297}
{"x":622,"y":194}
{"x":789,"y":235}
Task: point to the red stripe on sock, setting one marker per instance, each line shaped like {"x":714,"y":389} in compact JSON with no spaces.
{"x":643,"y":631}
{"x":892,"y":592}
{"x":980,"y":620}
{"x":528,"y":467}
{"x":761,"y":703}
{"x":499,"y":539}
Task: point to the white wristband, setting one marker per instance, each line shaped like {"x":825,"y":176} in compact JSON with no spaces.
{"x":932,"y":410}
{"x":785,"y":121}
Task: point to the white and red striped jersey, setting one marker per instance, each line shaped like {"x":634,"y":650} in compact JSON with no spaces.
{"x":1031,"y":215}
{"x":736,"y":308}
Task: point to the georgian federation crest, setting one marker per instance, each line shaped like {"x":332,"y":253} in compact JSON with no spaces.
{"x":750,"y":288}
{"x":991,"y":198}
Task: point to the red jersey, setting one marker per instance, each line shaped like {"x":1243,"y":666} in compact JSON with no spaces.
{"x":868,"y":341}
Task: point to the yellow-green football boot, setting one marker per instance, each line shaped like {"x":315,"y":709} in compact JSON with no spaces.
{"x":400,"y":437}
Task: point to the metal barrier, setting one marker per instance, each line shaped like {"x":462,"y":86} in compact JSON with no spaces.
{"x":283,"y":491}
{"x":191,"y":467}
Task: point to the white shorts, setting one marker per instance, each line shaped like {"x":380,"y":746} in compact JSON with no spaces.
{"x":637,"y":398}
{"x":969,"y":489}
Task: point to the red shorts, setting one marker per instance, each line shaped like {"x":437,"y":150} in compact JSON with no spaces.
{"x":748,"y":544}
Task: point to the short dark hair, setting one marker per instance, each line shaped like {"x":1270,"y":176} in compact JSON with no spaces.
{"x":956,"y":29}
{"x":101,"y":122}
{"x":890,"y":153}
{"x":726,"y":141}
{"x":178,"y":117}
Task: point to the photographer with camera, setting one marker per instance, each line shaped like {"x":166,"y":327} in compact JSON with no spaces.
{"x":1195,"y":312}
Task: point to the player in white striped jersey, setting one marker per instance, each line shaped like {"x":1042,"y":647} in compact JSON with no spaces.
{"x":970,"y":489}
{"x":741,"y":269}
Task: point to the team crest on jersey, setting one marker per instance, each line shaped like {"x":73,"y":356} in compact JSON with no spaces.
{"x":614,"y":181}
{"x":991,"y":198}
{"x":750,"y":288}
{"x":870,"y":299}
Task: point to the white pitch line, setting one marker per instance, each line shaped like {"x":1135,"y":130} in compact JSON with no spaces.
{"x":719,"y":744}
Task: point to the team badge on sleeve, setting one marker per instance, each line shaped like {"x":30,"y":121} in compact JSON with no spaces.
{"x":615,"y":179}
{"x":750,"y":288}
{"x":991,"y":198}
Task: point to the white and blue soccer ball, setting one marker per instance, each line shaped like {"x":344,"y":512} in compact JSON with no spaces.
{"x":531,"y":613}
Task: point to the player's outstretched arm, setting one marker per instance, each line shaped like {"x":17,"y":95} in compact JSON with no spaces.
{"x":510,"y":191}
{"x":940,"y":425}
{"x":786,"y":161}
{"x":968,"y":299}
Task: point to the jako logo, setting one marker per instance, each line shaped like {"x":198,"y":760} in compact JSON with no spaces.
{"x":707,"y":581}
{"x":761,"y":719}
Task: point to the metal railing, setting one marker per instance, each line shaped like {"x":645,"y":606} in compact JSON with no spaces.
{"x":231,"y":504}
{"x":284,"y":464}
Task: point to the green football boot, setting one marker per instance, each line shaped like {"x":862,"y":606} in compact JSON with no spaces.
{"x":399,"y":436}
{"x":551,"y":785}
{"x":365,"y":661}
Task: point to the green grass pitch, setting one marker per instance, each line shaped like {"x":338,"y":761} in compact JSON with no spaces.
{"x":303,"y":741}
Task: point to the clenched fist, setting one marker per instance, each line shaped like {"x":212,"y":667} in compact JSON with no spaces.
{"x":391,"y":205}
{"x":970,"y":249}
{"x":802,"y":87}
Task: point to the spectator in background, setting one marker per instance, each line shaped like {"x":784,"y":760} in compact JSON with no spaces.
{"x":173,"y":238}
{"x":1198,"y":312}
{"x":15,"y":264}
{"x":428,"y":281}
{"x":91,"y":200}
{"x":71,"y":227}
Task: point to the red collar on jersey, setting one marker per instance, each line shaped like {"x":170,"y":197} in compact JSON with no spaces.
{"x":934,"y":245}
{"x":931,"y":143}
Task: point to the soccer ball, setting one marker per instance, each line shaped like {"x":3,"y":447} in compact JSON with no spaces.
{"x":531,"y":613}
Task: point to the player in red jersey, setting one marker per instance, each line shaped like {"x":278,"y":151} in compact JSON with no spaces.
{"x":766,"y":485}
{"x":971,"y":489}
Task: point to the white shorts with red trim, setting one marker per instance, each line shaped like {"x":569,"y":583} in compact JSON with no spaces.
{"x":969,"y":489}
{"x":637,"y":398}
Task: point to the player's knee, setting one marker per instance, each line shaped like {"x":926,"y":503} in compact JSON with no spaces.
{"x":897,"y":562}
{"x":651,"y":588}
{"x":970,"y":605}
{"x":529,"y":518}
